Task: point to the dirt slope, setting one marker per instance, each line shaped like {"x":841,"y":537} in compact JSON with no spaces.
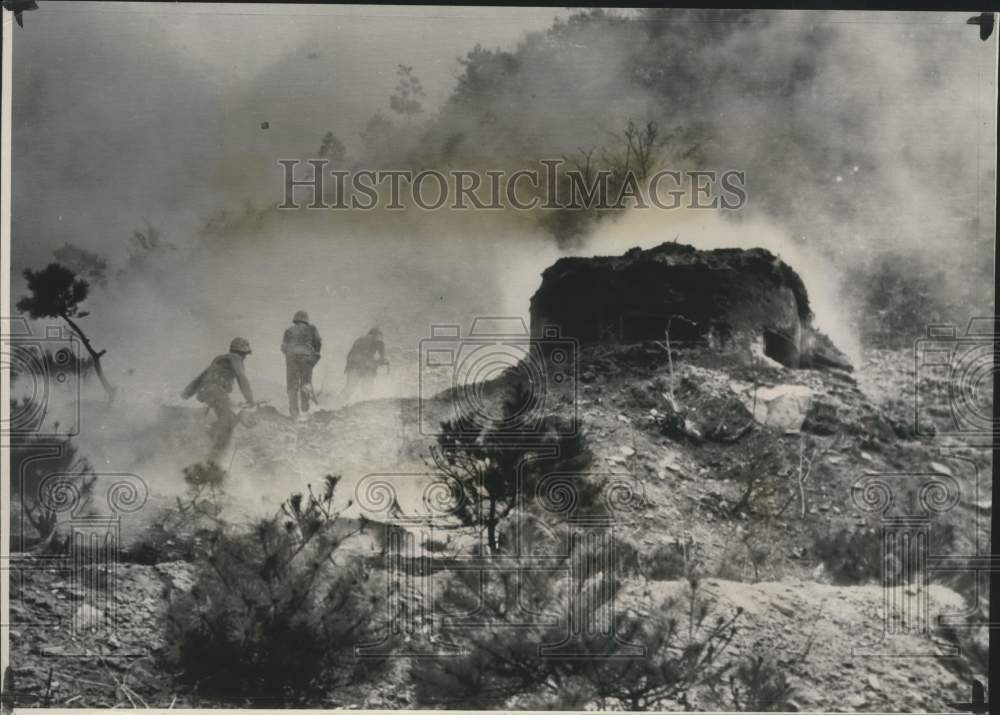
{"x":814,"y":627}
{"x":675,"y":425}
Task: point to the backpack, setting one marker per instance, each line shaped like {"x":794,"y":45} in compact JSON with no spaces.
{"x":194,"y":385}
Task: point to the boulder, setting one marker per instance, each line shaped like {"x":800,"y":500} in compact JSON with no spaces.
{"x":783,"y":407}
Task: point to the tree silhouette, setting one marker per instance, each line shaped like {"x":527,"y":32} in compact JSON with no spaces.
{"x":378,"y":136}
{"x":485,"y":462}
{"x":57,"y":292}
{"x":409,"y":91}
{"x":332,"y":148}
{"x":88,"y":265}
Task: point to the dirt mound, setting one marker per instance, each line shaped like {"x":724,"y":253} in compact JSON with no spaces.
{"x":825,"y":636}
{"x":726,"y":298}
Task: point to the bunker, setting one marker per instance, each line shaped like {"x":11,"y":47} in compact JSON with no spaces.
{"x":727,"y":299}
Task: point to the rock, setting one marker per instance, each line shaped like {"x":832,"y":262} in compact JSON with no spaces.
{"x":179,"y":575}
{"x":783,"y":407}
{"x":88,"y":617}
{"x":940,"y":468}
{"x":856,"y":700}
{"x":73,"y":594}
{"x":691,"y":430}
{"x":669,"y":461}
{"x":873,"y":682}
{"x":821,"y":418}
{"x":784,"y":610}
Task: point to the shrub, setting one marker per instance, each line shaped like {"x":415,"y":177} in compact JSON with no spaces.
{"x":762,"y":468}
{"x":658,"y":657}
{"x":853,"y":556}
{"x":272,"y":619}
{"x":850,"y":556}
{"x":182,"y":532}
{"x":485,"y":463}
{"x":756,"y":683}
{"x":670,"y":562}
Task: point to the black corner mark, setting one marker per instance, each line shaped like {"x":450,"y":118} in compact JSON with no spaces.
{"x":978,"y":704}
{"x":985,"y":22}
{"x":18,"y":7}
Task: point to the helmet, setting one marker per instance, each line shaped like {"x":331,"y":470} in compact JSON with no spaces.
{"x":240,"y":345}
{"x":300,"y":316}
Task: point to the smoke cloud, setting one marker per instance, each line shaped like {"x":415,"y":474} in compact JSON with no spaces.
{"x":861,"y":135}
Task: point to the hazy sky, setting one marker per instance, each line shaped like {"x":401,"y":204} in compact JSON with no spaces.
{"x":133,"y":112}
{"x":125,"y":112}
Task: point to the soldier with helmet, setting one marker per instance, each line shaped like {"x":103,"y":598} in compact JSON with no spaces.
{"x":213,"y":387}
{"x":301,"y":345}
{"x":363,"y":360}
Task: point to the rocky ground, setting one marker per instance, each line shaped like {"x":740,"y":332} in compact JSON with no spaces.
{"x":677,"y":425}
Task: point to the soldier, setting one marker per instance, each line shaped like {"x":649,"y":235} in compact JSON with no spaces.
{"x":213,"y":386}
{"x":301,"y":346}
{"x":363,"y":360}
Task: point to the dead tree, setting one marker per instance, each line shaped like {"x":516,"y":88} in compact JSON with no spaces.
{"x":807,"y":460}
{"x":666,"y":346}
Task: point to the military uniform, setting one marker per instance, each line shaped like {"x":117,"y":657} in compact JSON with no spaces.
{"x":363,"y":359}
{"x":301,"y":345}
{"x":212,"y":387}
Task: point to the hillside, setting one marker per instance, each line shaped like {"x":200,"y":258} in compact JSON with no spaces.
{"x":776,"y":554}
